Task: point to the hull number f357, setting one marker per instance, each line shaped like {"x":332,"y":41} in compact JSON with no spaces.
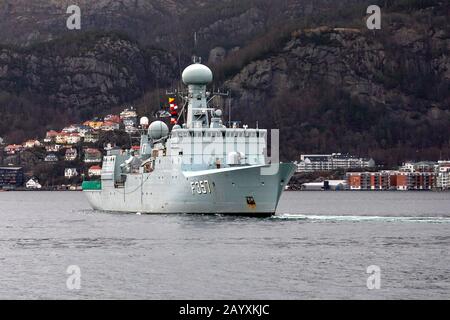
{"x":200,"y":187}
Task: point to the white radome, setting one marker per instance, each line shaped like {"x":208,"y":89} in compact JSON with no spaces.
{"x":158,"y":130}
{"x":197,"y":74}
{"x":144,"y":121}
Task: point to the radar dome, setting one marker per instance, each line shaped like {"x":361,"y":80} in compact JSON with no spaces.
{"x":176,"y":127}
{"x":144,"y":121}
{"x":158,"y":130}
{"x":197,"y":74}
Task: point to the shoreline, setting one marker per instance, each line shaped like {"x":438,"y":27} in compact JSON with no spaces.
{"x":346,"y":191}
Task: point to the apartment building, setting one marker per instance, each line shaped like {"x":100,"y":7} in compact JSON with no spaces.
{"x":334,"y":161}
{"x":391,"y":180}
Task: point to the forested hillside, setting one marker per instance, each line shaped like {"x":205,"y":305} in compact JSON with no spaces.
{"x":310,"y":68}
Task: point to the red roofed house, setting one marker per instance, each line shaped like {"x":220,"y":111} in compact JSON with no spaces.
{"x":73,"y":138}
{"x":31,"y":144}
{"x":53,"y":147}
{"x":92,"y":155}
{"x":70,"y":129}
{"x":61,"y":138}
{"x":13,"y":149}
{"x":109,"y":126}
{"x":112,"y":118}
{"x":95,"y":171}
{"x":50,"y":136}
{"x":71,"y":154}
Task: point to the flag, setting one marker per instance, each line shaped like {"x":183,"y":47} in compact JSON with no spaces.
{"x":173,"y":110}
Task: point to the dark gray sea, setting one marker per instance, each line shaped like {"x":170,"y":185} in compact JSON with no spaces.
{"x":319,"y":246}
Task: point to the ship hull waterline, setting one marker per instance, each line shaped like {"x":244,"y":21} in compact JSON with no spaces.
{"x":236,"y":191}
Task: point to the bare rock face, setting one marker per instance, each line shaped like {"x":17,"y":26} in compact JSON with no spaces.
{"x":347,"y":59}
{"x":105,"y":72}
{"x":25,"y":22}
{"x":162,"y":23}
{"x":247,"y":24}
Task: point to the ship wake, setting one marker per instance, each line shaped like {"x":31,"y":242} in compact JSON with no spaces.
{"x":350,"y":218}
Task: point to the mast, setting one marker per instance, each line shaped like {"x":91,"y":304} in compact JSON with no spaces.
{"x":196,"y":77}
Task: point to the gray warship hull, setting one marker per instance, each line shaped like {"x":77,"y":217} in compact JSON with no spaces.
{"x":236,"y":191}
{"x":201,"y":167}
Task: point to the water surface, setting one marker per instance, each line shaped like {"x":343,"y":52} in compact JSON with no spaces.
{"x":317,"y":247}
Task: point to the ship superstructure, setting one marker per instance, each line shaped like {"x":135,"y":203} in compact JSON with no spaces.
{"x":199,"y":167}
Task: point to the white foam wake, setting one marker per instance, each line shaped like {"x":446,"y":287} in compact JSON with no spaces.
{"x":332,"y":218}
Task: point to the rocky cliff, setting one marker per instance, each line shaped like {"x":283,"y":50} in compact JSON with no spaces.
{"x":347,"y":88}
{"x":310,"y":68}
{"x":165,"y":23}
{"x":94,"y":70}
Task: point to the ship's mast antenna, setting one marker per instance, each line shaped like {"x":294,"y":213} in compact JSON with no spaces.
{"x":195,"y":48}
{"x":229,"y":111}
{"x":195,"y":42}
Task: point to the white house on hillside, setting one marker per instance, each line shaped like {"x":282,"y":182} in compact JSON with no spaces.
{"x":70,"y":172}
{"x":33,"y":184}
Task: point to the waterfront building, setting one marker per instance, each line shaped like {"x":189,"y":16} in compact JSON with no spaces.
{"x":91,"y":137}
{"x":422,"y":166}
{"x":93,"y":124}
{"x":50,"y":136}
{"x":391,"y":180}
{"x":334,"y":161}
{"x":31,"y":144}
{"x":11,"y":177}
{"x":131,"y":129}
{"x":109,"y":146}
{"x":95,"y":171}
{"x":71,"y":154}
{"x":83,"y":130}
{"x":33,"y":183}
{"x":61,"y":138}
{"x":112,"y":118}
{"x":53,"y":147}
{"x":334,"y":185}
{"x":415,"y":181}
{"x":13,"y":149}
{"x":51,"y":158}
{"x":110,"y":126}
{"x":128,"y":113}
{"x":70,"y":129}
{"x":92,"y":155}
{"x":129,"y":118}
{"x":73,"y":138}
{"x":70,"y":173}
{"x":368,"y":180}
{"x":443,"y":175}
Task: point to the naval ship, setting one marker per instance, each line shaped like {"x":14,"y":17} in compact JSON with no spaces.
{"x":199,"y":167}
